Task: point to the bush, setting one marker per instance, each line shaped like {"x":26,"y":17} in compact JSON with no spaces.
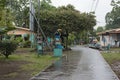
{"x":19,"y":39}
{"x":7,"y":47}
{"x":27,"y":44}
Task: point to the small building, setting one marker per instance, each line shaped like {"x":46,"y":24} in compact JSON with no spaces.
{"x":22,"y":32}
{"x":111,"y":37}
{"x":25,"y":33}
{"x":19,"y":31}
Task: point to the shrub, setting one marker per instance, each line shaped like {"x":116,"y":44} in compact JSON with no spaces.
{"x":7,"y":47}
{"x":19,"y":39}
{"x":27,"y":44}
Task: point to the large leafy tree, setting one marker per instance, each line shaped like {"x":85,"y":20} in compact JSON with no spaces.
{"x":6,"y":18}
{"x":20,"y":11}
{"x":66,"y":18}
{"x":52,"y":18}
{"x":113,"y":17}
{"x":45,"y":14}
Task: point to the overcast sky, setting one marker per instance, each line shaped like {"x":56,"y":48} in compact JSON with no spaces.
{"x":86,"y":6}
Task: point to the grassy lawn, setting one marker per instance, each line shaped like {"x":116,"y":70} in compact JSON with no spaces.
{"x":111,"y":57}
{"x":114,"y":61}
{"x":29,"y":62}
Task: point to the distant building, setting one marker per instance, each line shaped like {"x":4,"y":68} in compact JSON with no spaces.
{"x":111,"y":37}
{"x":25,"y":33}
{"x":19,"y":31}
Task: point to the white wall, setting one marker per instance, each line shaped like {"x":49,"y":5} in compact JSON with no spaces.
{"x":110,"y":39}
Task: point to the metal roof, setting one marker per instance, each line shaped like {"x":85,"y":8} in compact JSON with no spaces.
{"x":112,"y":31}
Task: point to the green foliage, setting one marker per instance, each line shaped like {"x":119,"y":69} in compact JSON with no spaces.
{"x":26,"y":44}
{"x":45,"y":5}
{"x":51,"y":18}
{"x":19,"y":39}
{"x":2,"y":4}
{"x":7,"y":47}
{"x":6,"y":18}
{"x":100,"y":29}
{"x":11,"y":75}
{"x":33,"y":63}
{"x":66,"y":18}
{"x":6,"y":29}
{"x":71,"y":38}
{"x":19,"y":11}
{"x":113,"y":17}
{"x":111,"y":57}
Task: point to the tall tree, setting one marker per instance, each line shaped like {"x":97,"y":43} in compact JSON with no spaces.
{"x":66,"y":18}
{"x":6,"y":18}
{"x":113,"y":17}
{"x":20,"y":10}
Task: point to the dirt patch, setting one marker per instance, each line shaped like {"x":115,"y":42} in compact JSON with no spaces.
{"x":23,"y":64}
{"x":11,"y":70}
{"x":116,"y":68}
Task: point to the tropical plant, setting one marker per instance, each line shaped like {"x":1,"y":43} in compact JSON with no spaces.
{"x":7,"y":47}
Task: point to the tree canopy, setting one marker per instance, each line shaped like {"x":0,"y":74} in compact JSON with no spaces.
{"x":51,"y":18}
{"x":66,"y":18}
{"x":113,"y":17}
{"x":6,"y":18}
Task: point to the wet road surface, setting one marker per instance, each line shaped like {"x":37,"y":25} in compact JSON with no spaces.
{"x":81,"y":63}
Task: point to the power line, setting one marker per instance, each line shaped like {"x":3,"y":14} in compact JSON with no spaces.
{"x":92,"y":5}
{"x":96,"y":5}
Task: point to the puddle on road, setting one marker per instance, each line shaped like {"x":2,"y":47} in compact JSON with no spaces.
{"x":61,"y":68}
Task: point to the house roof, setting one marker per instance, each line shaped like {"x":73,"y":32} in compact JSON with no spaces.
{"x":112,"y":31}
{"x":20,"y":31}
{"x":22,"y":28}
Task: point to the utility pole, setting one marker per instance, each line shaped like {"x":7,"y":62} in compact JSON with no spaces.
{"x":33,"y":16}
{"x":39,"y":34}
{"x":39,"y":27}
{"x":31,"y":23}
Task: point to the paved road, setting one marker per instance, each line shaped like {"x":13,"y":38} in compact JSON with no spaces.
{"x":81,"y":63}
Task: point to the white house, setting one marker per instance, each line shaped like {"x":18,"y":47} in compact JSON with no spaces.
{"x":111,"y":37}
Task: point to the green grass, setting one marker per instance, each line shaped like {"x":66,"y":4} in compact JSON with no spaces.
{"x":111,"y":57}
{"x":35,"y":63}
{"x":115,"y":48}
{"x":11,"y":74}
{"x":12,"y":57}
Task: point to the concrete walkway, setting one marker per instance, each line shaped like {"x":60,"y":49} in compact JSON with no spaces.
{"x":81,"y":64}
